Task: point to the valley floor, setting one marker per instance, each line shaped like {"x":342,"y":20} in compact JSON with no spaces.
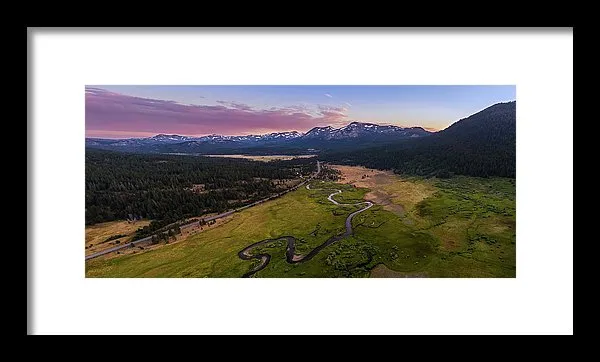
{"x":457,"y":227}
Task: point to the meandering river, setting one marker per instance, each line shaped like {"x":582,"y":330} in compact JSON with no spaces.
{"x":291,"y":256}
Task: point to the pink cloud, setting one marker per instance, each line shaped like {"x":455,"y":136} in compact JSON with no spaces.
{"x":113,"y":113}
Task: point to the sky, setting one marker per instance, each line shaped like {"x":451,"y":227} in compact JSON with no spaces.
{"x":124,"y":111}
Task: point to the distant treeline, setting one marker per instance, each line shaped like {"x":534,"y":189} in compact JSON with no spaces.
{"x":168,"y":188}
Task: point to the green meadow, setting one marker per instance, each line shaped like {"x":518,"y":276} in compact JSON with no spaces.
{"x":465,"y":227}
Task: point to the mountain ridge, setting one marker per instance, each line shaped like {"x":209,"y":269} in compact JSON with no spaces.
{"x":287,"y":134}
{"x":482,"y":144}
{"x":315,"y":137}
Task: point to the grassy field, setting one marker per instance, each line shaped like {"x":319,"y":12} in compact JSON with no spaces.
{"x":96,"y":236}
{"x":304,"y":214}
{"x":458,"y":227}
{"x":464,"y":229}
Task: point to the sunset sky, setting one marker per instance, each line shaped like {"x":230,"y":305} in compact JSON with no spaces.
{"x":119,"y":111}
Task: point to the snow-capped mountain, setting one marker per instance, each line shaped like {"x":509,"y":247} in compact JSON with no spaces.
{"x":319,"y":132}
{"x":318,"y":137}
{"x":169,"y":138}
{"x":359,"y":129}
{"x":249,"y":138}
{"x":137,"y":142}
{"x":282,"y":135}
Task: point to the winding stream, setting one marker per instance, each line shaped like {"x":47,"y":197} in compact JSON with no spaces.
{"x":291,"y":256}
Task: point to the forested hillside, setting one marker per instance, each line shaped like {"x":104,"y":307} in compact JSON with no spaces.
{"x":483,"y":144}
{"x":167,"y":188}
